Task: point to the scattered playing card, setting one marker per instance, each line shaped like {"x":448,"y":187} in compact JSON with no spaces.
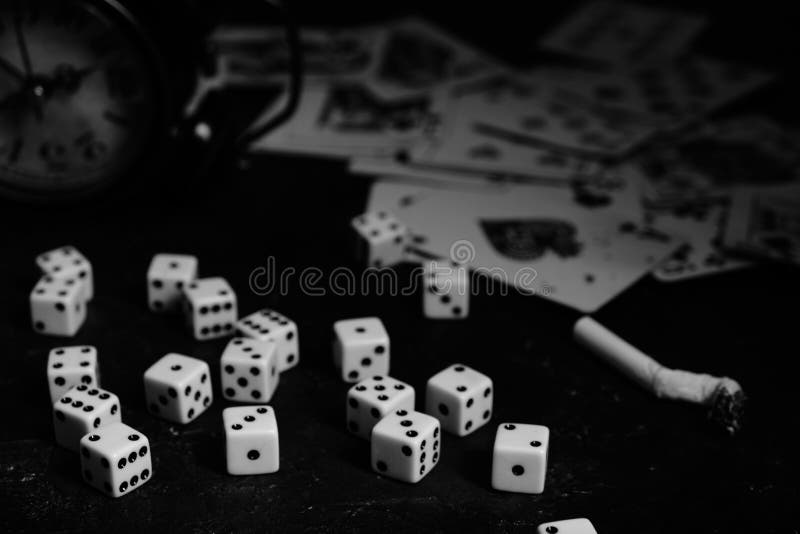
{"x":623,"y":33}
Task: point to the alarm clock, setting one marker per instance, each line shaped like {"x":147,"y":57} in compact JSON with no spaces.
{"x":91,"y":91}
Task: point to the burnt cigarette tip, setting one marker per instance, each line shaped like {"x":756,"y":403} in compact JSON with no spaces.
{"x":726,"y":406}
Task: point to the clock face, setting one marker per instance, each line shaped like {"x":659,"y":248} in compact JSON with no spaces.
{"x":79,"y":96}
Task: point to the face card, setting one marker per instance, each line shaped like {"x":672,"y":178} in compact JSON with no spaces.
{"x":623,"y":33}
{"x":534,"y":238}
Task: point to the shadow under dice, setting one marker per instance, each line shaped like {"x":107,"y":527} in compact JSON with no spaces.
{"x":248,"y":370}
{"x":210,"y":308}
{"x":251,"y":440}
{"x":519,"y":458}
{"x":270,"y":325}
{"x":71,"y":366}
{"x":372,"y":399}
{"x":81,"y":410}
{"x":361,"y":348}
{"x":178,"y":388}
{"x":567,"y":526}
{"x":116,"y":459}
{"x":68,"y":262}
{"x":167,"y":275}
{"x":57,"y":306}
{"x":446,"y":294}
{"x":406,"y":445}
{"x":382,"y":238}
{"x":461,"y":398}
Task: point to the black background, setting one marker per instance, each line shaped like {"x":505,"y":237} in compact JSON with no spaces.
{"x":629,"y":462}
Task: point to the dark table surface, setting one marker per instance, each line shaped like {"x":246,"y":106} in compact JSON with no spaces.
{"x":629,"y":462}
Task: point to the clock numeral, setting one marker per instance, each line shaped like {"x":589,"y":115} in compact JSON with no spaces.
{"x":91,"y":149}
{"x":54,"y":155}
{"x":12,"y":150}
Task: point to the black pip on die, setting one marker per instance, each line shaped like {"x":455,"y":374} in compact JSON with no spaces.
{"x":406,"y":445}
{"x":371,"y":399}
{"x":270,"y":325}
{"x":58,"y":306}
{"x":251,"y":440}
{"x":81,"y":410}
{"x":116,"y":459}
{"x":580,"y":525}
{"x":68,"y":262}
{"x":71,"y":366}
{"x":381,"y":238}
{"x":210,"y":307}
{"x":360,"y":348}
{"x":178,"y":388}
{"x":461,"y":398}
{"x":249,"y":371}
{"x":446,"y":294}
{"x":167,"y":275}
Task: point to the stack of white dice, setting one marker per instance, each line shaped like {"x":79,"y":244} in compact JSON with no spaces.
{"x":60,"y":298}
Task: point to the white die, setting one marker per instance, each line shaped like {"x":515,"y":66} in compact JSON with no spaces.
{"x":461,"y":398}
{"x":382,"y":238}
{"x":373,"y":398}
{"x":519,"y":458}
{"x":446,"y":294}
{"x":178,"y":388}
{"x":57,"y":306}
{"x":567,"y":526}
{"x":251,"y":440}
{"x":360,"y":348}
{"x":116,"y":459}
{"x":210,"y":308}
{"x":68,"y":262}
{"x":71,"y":366}
{"x":81,"y":410}
{"x":248,"y":370}
{"x":166,"y":278}
{"x":270,"y":325}
{"x":406,"y":445}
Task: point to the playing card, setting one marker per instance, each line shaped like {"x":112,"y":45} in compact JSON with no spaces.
{"x":623,"y":33}
{"x":765,"y":222}
{"x":534,"y":238}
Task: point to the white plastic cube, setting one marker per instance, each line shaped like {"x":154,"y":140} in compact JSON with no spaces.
{"x":116,"y":459}
{"x":371,"y":399}
{"x":167,"y":275}
{"x":406,"y":445}
{"x":81,"y":410}
{"x":519,"y":458}
{"x":210,"y":308}
{"x":382,"y":238}
{"x":248,"y":370}
{"x":251,"y":440}
{"x":360,"y":348}
{"x":178,"y":388}
{"x":446,"y":290}
{"x":272,"y":326}
{"x":461,"y":398}
{"x":68,"y":262}
{"x":58,"y":306}
{"x":71,"y":366}
{"x":567,"y":526}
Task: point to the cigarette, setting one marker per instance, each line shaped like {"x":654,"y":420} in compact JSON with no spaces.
{"x":722,"y":396}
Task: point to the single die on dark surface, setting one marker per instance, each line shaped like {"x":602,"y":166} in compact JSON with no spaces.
{"x":567,"y":526}
{"x":68,"y":262}
{"x":167,"y":275}
{"x":178,"y":388}
{"x":210,"y":308}
{"x":519,"y":458}
{"x":58,"y":306}
{"x":249,"y":371}
{"x":461,"y":398}
{"x":81,"y":410}
{"x":381,"y":238}
{"x":116,"y":459}
{"x":446,"y":290}
{"x":406,"y":445}
{"x":71,"y":366}
{"x":270,"y":325}
{"x":251,"y":440}
{"x":360,"y":348}
{"x":373,"y":398}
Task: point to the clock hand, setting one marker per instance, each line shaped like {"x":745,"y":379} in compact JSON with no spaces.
{"x":23,"y":46}
{"x":11,"y":69}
